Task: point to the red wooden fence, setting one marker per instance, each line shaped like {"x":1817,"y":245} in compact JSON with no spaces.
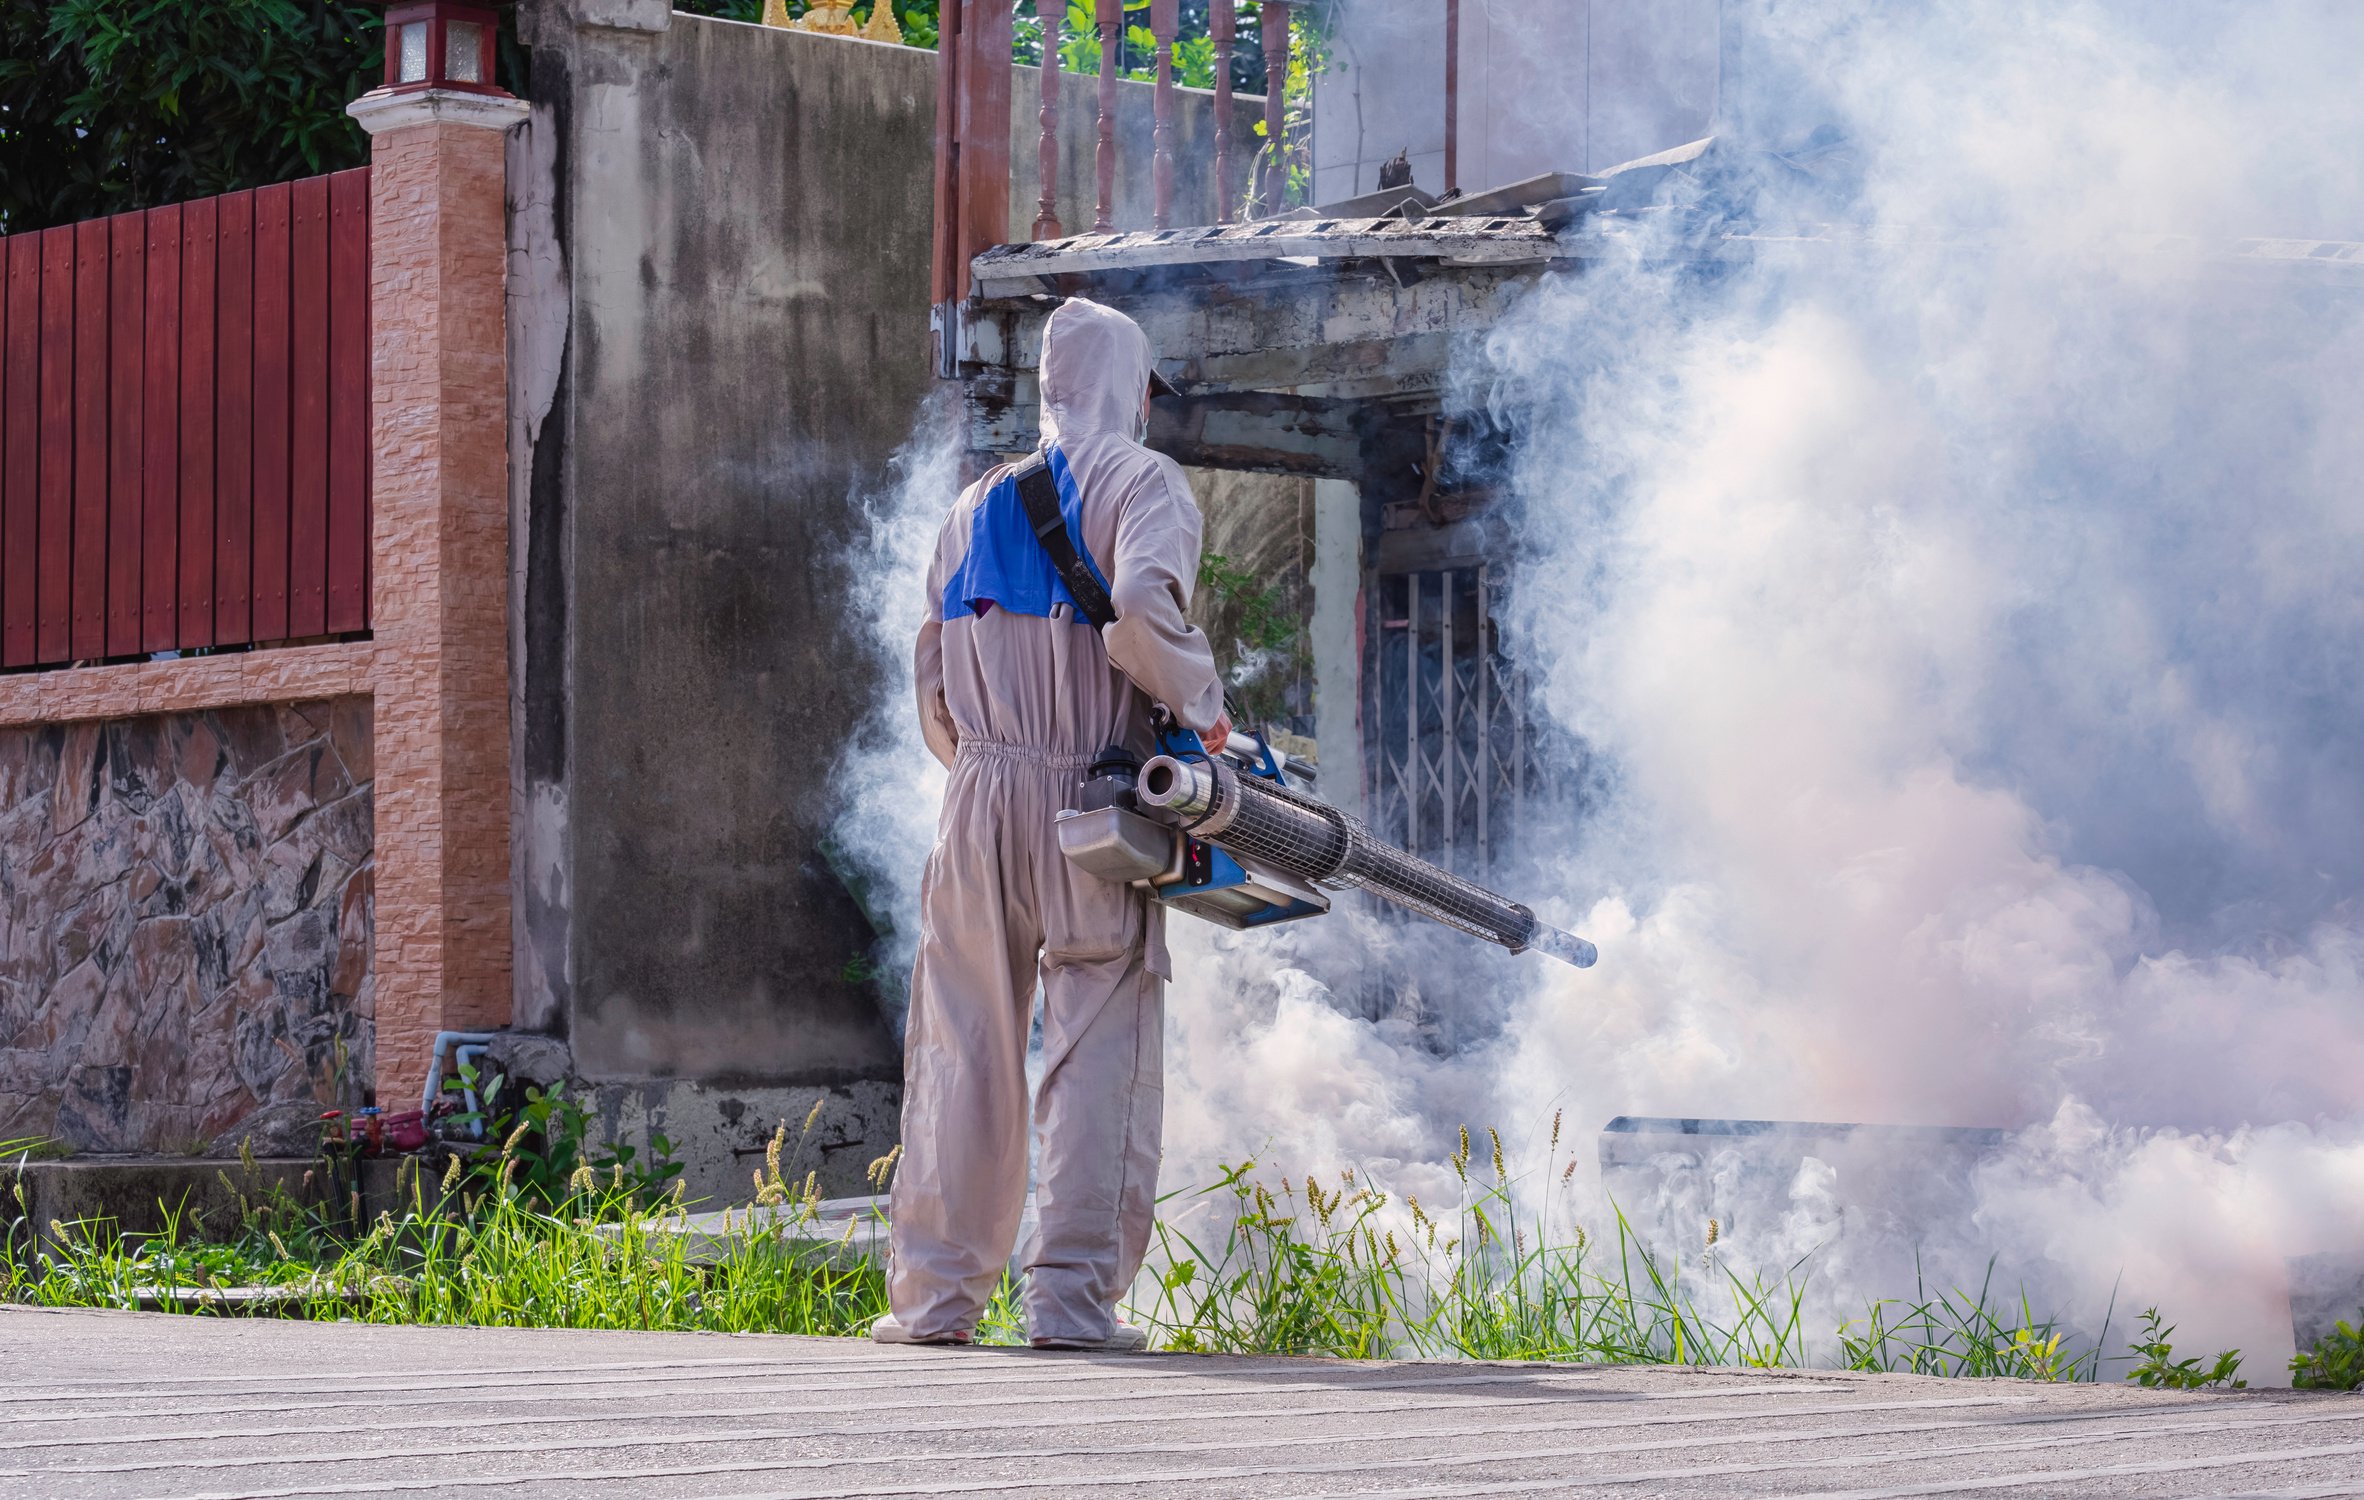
{"x":184,"y":426}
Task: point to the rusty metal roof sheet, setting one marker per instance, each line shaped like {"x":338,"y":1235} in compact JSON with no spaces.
{"x":1456,"y":241}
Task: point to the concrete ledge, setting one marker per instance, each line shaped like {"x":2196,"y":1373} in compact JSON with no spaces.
{"x":137,"y":1195}
{"x":275,"y":674}
{"x":855,"y":1226}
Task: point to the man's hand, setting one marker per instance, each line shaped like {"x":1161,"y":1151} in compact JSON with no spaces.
{"x":1215,"y":738}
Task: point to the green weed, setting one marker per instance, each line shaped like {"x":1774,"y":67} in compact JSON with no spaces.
{"x":545,"y":1137}
{"x":479,"y":1245}
{"x":2335,"y":1362}
{"x":1961,"y":1333}
{"x":1254,"y":1263}
{"x":2160,"y":1368}
{"x":1343,"y":1270}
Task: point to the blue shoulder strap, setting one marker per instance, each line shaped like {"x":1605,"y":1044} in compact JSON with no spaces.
{"x":1020,"y":529}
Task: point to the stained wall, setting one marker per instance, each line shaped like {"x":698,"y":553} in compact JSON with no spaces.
{"x":720,"y":242}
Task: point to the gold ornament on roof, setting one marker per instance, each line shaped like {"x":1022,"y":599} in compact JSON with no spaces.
{"x":775,"y":13}
{"x":830,"y":18}
{"x":882,"y":26}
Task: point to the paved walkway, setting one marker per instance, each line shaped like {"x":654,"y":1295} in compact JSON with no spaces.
{"x":129,"y":1404}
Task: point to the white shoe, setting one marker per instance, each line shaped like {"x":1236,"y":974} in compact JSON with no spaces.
{"x":1123,"y":1338}
{"x":887,"y":1331}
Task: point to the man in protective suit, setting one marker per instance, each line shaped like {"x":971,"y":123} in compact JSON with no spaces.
{"x":1017,"y":695}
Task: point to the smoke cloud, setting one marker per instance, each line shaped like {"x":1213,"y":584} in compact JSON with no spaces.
{"x":1966,"y":606}
{"x":1962,"y":611}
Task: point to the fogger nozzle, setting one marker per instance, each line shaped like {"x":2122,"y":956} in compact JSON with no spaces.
{"x":1184,"y":788}
{"x":1312,"y":840}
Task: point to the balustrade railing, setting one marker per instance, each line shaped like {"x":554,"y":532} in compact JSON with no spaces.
{"x":973,"y":122}
{"x":1164,"y":30}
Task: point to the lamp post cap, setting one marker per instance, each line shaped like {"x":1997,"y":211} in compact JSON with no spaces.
{"x":384,"y":109}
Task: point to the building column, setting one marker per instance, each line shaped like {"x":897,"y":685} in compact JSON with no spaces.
{"x":440,"y":554}
{"x":1337,"y":578}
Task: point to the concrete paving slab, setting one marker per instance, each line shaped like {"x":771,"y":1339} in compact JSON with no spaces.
{"x":116,"y":1405}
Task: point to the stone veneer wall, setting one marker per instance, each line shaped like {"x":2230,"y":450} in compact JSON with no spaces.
{"x":185,"y":926}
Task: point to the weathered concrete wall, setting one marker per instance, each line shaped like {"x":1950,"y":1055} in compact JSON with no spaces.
{"x":719,"y":1133}
{"x":745,"y":223}
{"x":720,"y":241}
{"x":142,"y":1197}
{"x":185,"y":927}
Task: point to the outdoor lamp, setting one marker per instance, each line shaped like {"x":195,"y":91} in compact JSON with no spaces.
{"x":438,"y":44}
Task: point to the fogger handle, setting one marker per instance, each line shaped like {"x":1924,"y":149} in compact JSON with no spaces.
{"x":1255,"y":752}
{"x":1242,"y":745}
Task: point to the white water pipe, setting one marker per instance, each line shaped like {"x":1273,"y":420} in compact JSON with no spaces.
{"x":465,"y":1042}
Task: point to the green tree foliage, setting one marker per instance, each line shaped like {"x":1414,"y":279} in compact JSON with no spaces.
{"x":108,"y":105}
{"x":1310,"y":26}
{"x":1079,"y":41}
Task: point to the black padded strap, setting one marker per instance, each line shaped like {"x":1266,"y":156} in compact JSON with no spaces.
{"x":1039,"y":493}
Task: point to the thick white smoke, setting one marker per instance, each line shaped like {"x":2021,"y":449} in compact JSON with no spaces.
{"x":1971,"y":622}
{"x":890,"y":787}
{"x":1965,"y":616}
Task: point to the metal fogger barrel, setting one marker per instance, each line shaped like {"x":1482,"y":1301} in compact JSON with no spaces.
{"x":1253,"y":818}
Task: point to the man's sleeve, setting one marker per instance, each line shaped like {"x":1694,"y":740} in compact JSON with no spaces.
{"x":935,"y":717}
{"x":1152,"y":640}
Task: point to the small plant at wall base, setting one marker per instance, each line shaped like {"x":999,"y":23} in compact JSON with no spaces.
{"x":2335,"y":1362}
{"x":545,"y":1136}
{"x":2160,"y":1369}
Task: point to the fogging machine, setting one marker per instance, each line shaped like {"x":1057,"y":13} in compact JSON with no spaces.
{"x":1227,"y":838}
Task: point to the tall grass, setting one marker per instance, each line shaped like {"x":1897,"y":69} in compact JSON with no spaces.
{"x":1253,"y":1263}
{"x":598,"y":1257}
{"x":1348,"y":1270}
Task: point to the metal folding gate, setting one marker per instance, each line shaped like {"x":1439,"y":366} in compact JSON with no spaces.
{"x":1452,"y":734}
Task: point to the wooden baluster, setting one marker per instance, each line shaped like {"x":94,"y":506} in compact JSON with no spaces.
{"x":1452,"y":95}
{"x":1111,"y":16}
{"x":973,"y":126}
{"x":1164,"y":19}
{"x":1046,"y":212}
{"x":1221,"y":30}
{"x":1274,"y":19}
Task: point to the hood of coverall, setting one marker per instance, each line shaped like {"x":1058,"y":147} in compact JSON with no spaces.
{"x":1096,"y":364}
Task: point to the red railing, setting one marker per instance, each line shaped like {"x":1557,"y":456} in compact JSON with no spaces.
{"x":1164,"y":24}
{"x":185,"y":428}
{"x":973,"y":127}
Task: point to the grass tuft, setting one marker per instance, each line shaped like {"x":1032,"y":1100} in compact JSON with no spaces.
{"x":526,"y":1236}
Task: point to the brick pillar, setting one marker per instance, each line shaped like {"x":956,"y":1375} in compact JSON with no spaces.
{"x":440,"y":553}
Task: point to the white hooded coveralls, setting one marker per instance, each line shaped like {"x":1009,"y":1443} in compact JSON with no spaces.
{"x":1017,"y":706}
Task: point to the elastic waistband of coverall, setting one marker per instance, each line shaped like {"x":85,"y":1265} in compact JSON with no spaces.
{"x":1032,"y":755}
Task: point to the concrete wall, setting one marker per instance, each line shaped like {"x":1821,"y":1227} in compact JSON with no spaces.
{"x":185,"y":927}
{"x":720,"y":239}
{"x":747,"y":269}
{"x":1546,"y":85}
